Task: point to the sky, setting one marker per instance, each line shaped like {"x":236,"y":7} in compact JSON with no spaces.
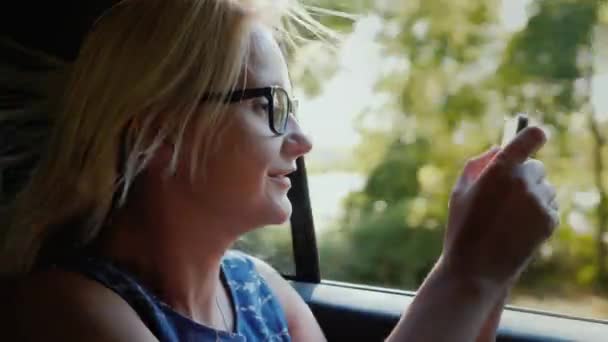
{"x":329,"y":116}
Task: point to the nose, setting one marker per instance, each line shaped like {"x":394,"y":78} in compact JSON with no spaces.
{"x":296,"y":143}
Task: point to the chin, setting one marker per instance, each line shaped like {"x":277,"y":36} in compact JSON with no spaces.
{"x":280,"y":212}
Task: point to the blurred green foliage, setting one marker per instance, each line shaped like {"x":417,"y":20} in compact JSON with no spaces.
{"x":465,"y":74}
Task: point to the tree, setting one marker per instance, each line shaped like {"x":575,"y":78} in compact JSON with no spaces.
{"x":548,"y":67}
{"x":464,"y":74}
{"x":392,"y":231}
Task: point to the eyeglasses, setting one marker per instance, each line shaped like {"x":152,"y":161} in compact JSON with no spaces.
{"x":280,"y":105}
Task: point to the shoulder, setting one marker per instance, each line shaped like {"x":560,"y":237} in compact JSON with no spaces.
{"x":56,"y":305}
{"x":302,"y":323}
{"x":269,"y":273}
{"x":260,"y":266}
{"x":273,"y":278}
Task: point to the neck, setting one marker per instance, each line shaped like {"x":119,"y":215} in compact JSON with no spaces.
{"x":175,"y":252}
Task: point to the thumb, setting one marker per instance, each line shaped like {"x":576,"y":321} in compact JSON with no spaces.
{"x":523,"y":146}
{"x":475,"y":166}
{"x":471,"y":171}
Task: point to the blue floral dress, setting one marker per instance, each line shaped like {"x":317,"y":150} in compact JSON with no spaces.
{"x":258,"y":314}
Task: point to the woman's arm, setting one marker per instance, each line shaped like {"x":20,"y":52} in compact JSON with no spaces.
{"x":447,"y":307}
{"x":488,"y":331}
{"x":454,"y":303}
{"x":501,"y":210}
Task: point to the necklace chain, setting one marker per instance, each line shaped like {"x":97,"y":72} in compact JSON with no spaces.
{"x":219,"y":307}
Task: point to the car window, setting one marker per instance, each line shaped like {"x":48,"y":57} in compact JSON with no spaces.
{"x":271,"y":244}
{"x":418,"y":87}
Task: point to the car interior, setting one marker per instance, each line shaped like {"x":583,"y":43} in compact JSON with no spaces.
{"x":345,"y":311}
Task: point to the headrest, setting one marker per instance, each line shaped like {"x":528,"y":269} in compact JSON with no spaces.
{"x":57,"y":27}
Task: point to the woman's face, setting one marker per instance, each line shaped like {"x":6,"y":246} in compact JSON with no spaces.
{"x":244,"y":181}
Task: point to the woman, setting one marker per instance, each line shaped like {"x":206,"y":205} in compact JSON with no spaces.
{"x":174,"y":137}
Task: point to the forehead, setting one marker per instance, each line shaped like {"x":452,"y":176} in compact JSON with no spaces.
{"x":266,"y":65}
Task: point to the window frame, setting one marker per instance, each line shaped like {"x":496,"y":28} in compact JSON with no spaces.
{"x":307,"y":265}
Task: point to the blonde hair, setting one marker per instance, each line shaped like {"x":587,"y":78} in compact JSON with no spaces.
{"x":142,"y":60}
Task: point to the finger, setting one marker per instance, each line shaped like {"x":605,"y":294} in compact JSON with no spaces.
{"x":474,"y":168}
{"x":554,"y":220}
{"x":550,"y":221}
{"x":476,"y":165}
{"x":532,"y":170}
{"x":552,"y":212}
{"x":523,"y":146}
{"x":554,"y":204}
{"x":545,"y":192}
{"x":549,"y":190}
{"x":484,"y":158}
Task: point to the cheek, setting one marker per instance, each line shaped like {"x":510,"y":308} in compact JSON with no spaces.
{"x":245,"y":184}
{"x":250,"y":154}
{"x":233,"y":181}
{"x":236,"y":171}
{"x":249,"y":167}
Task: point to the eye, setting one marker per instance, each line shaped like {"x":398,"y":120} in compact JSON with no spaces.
{"x":261,"y":106}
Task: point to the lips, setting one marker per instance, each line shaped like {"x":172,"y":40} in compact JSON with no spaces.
{"x":282,"y":181}
{"x":281,"y":173}
{"x":280,"y":178}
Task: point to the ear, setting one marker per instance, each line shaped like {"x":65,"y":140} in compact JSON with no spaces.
{"x":161,"y":151}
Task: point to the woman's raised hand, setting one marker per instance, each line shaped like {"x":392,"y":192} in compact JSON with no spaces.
{"x":501,"y":209}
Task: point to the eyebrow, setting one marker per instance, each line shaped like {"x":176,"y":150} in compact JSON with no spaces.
{"x":240,"y":94}
{"x":272,"y":83}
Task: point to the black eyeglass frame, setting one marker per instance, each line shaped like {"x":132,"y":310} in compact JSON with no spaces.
{"x":249,"y":93}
